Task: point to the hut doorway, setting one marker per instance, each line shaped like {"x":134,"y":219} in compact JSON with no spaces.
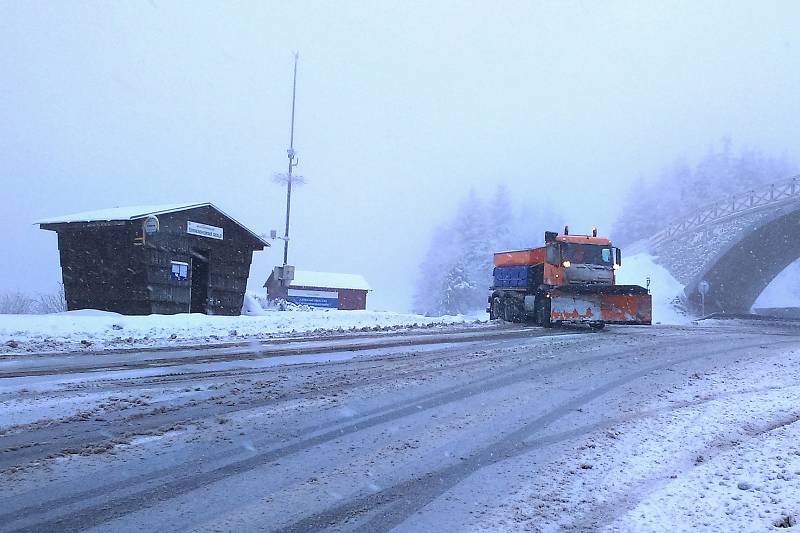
{"x":199,"y":290}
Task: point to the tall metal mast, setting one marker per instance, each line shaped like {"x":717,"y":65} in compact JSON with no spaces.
{"x":292,"y":163}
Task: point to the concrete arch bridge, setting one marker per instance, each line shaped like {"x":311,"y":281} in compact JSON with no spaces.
{"x":738,"y":245}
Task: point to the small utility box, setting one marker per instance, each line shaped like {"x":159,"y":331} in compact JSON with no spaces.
{"x":283,"y":274}
{"x":155,"y":259}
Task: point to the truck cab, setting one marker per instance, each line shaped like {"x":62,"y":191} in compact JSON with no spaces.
{"x":580,"y":260}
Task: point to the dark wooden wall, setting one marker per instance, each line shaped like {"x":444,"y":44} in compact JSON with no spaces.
{"x":103,"y":267}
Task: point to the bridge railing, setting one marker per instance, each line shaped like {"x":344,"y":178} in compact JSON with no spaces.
{"x":734,"y":205}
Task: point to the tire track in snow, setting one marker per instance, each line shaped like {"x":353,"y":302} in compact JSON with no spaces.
{"x":264,"y":352}
{"x":75,"y":434}
{"x":406,"y":498}
{"x":181,"y":484}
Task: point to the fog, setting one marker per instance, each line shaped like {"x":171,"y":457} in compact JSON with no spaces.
{"x":401,"y":109}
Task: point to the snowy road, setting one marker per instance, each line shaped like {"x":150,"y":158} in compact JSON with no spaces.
{"x":637,"y":428}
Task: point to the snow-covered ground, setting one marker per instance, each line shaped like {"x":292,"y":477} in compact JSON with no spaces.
{"x":725,"y":456}
{"x":97,"y":330}
{"x":784,"y":290}
{"x":719,"y":454}
{"x":638,"y":429}
{"x":665,"y":289}
{"x":752,"y":487}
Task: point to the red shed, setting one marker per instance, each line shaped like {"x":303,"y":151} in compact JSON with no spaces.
{"x":322,"y":289}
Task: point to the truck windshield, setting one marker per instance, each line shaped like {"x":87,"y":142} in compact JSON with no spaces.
{"x":592,"y":254}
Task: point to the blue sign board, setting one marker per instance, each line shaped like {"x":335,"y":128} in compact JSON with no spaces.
{"x":323,"y":299}
{"x":328,"y":303}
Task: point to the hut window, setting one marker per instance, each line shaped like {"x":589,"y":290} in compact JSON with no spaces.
{"x":180,"y":270}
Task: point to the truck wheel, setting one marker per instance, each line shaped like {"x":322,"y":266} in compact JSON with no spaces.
{"x":597,"y":326}
{"x":543,"y":314}
{"x":508,"y":311}
{"x":495,"y":309}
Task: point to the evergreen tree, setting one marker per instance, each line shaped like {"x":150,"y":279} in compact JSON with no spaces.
{"x":473,"y":247}
{"x":457,"y":293}
{"x":432,"y":271}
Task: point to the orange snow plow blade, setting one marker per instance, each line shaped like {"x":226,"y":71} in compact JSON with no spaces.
{"x":616,"y":304}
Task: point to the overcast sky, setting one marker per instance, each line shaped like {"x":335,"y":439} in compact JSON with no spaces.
{"x":402,"y":107}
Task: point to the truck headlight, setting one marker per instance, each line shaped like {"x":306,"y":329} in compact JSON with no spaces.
{"x":566,"y":264}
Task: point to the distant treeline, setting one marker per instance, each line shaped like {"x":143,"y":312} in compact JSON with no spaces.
{"x":683,"y":188}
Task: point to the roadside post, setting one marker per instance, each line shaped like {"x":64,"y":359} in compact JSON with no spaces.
{"x":702,"y":288}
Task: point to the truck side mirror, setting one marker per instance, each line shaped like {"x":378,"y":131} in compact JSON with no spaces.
{"x":618,"y":260}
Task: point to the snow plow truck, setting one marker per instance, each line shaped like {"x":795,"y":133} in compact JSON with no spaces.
{"x":569,"y":280}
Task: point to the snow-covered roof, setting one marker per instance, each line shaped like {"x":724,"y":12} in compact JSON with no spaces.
{"x":119,"y":213}
{"x":136,"y":212}
{"x":329,"y":280}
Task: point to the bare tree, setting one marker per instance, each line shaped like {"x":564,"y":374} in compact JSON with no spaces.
{"x":16,"y":303}
{"x":52,"y":303}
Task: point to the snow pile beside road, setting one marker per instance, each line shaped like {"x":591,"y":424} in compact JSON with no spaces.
{"x":665,"y":289}
{"x":753,"y":487}
{"x":783,"y":290}
{"x":725,"y":458}
{"x":95,"y":330}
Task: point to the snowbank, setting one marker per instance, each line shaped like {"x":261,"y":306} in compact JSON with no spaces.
{"x":99,"y":330}
{"x":665,"y":289}
{"x":724,"y":456}
{"x":783,"y":291}
{"x":751,"y":487}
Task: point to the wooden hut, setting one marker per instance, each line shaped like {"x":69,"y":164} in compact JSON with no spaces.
{"x":155,"y":259}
